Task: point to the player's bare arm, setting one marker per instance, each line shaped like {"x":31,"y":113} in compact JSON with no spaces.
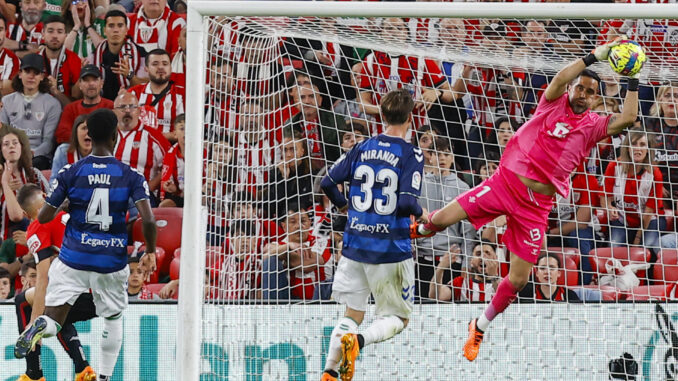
{"x":625,"y":119}
{"x":150,"y":233}
{"x":47,"y":213}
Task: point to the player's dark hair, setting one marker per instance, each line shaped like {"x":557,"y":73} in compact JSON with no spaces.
{"x":28,"y":264}
{"x":156,"y":52}
{"x":396,"y":106}
{"x":591,"y":74}
{"x":27,"y":192}
{"x":115,"y":13}
{"x":73,"y":144}
{"x":54,"y":18}
{"x":4,"y":273}
{"x":102,"y":125}
{"x":241,"y":228}
{"x":548,"y":254}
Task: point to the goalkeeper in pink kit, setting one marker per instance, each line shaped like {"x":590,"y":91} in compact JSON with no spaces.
{"x":536,"y":165}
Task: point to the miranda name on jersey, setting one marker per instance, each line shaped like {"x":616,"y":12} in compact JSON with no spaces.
{"x":375,"y":154}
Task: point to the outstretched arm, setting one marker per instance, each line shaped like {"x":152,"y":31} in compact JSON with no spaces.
{"x":558,"y":85}
{"x":624,"y":120}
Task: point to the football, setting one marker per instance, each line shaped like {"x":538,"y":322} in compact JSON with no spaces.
{"x":627,"y":58}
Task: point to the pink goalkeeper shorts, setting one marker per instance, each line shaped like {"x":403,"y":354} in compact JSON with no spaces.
{"x":526,"y":211}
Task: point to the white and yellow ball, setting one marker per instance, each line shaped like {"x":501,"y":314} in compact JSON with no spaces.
{"x":627,"y":58}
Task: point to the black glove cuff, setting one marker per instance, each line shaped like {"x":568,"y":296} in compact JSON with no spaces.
{"x":590,"y":59}
{"x":633,"y":84}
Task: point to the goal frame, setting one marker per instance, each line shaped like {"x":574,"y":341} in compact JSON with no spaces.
{"x":189,"y":318}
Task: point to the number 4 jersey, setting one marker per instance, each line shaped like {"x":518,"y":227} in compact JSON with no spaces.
{"x":98,"y":189}
{"x":379,"y":170}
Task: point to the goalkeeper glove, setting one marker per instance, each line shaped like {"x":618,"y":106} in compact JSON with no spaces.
{"x":601,"y":52}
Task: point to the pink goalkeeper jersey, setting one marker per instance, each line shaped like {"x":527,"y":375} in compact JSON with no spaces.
{"x":549,"y":146}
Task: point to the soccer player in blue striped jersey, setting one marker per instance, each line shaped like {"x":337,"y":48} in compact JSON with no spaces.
{"x":384,"y":175}
{"x":93,"y":255}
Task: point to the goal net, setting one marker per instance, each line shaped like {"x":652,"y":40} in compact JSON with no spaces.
{"x":286,"y":97}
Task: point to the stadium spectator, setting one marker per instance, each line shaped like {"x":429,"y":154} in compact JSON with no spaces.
{"x":476,"y":284}
{"x":28,"y":274}
{"x":161,"y":93}
{"x":8,"y":10}
{"x":570,"y":221}
{"x":320,"y":127}
{"x":5,"y":284}
{"x":33,"y":110}
{"x":633,"y":195}
{"x":90,"y":85}
{"x":484,"y":167}
{"x":546,"y":285}
{"x":17,"y":170}
{"x":440,"y":186}
{"x":121,"y":59}
{"x":85,"y":30}
{"x":355,"y":133}
{"x":425,"y":136}
{"x":244,"y":207}
{"x":255,"y":152}
{"x":424,"y":31}
{"x":291,"y":178}
{"x":662,"y":128}
{"x":240,"y":271}
{"x":79,"y":146}
{"x":221,"y":100}
{"x":221,"y":177}
{"x":156,"y":26}
{"x":179,"y":61}
{"x":349,"y":105}
{"x":24,"y":36}
{"x":139,"y":146}
{"x":136,"y":287}
{"x":8,"y":61}
{"x":571,"y":37}
{"x":292,"y":267}
{"x":62,"y":66}
{"x":504,"y":129}
{"x":172,"y":186}
{"x":422,"y":78}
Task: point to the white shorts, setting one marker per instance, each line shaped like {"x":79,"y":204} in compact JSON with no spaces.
{"x":109,"y":291}
{"x":391,"y":284}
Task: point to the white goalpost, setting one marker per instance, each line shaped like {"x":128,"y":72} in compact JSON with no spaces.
{"x":242,"y":121}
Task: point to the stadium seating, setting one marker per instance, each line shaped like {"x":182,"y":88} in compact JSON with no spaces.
{"x":567,"y":252}
{"x":656,"y":292}
{"x":168,"y":223}
{"x":155,"y":287}
{"x":174,"y":269}
{"x":177,"y":253}
{"x":626,"y":255}
{"x":666,"y":268}
{"x":670,"y":216}
{"x":608,"y":293}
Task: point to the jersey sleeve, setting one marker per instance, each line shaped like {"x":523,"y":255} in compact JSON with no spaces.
{"x":39,"y":241}
{"x":609,"y":179}
{"x":341,"y":170}
{"x":138,"y":186}
{"x":411,"y":175}
{"x":434,"y":76}
{"x":59,"y":187}
{"x":655,"y":200}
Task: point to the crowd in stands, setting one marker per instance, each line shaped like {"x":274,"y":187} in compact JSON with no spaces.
{"x":280,"y":111}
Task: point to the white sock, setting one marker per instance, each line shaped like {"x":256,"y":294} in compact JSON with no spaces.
{"x":52,"y":328}
{"x":344,"y":326}
{"x":382,"y":329}
{"x":482,"y":322}
{"x":110,"y":344}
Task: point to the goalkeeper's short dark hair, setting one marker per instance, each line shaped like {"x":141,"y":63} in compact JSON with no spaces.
{"x":591,"y":74}
{"x":396,"y":106}
{"x":102,"y":125}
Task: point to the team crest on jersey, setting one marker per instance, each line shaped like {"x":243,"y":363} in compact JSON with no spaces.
{"x":145,"y":33}
{"x":560,"y":131}
{"x":39,"y":115}
{"x":136,"y":145}
{"x":55,"y":183}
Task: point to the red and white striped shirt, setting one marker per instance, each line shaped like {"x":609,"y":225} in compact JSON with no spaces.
{"x":239,"y":276}
{"x":9,"y":64}
{"x":489,"y":101}
{"x":466,"y":289}
{"x":38,"y":179}
{"x":143,"y":149}
{"x":303,"y":284}
{"x":16,"y":32}
{"x":173,"y":169}
{"x":253,"y":161}
{"x":424,"y":30}
{"x":162,"y":33}
{"x":167,"y":108}
{"x":383,"y":74}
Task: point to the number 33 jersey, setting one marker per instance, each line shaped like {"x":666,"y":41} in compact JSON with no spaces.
{"x":98,"y":189}
{"x":378,"y":171}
